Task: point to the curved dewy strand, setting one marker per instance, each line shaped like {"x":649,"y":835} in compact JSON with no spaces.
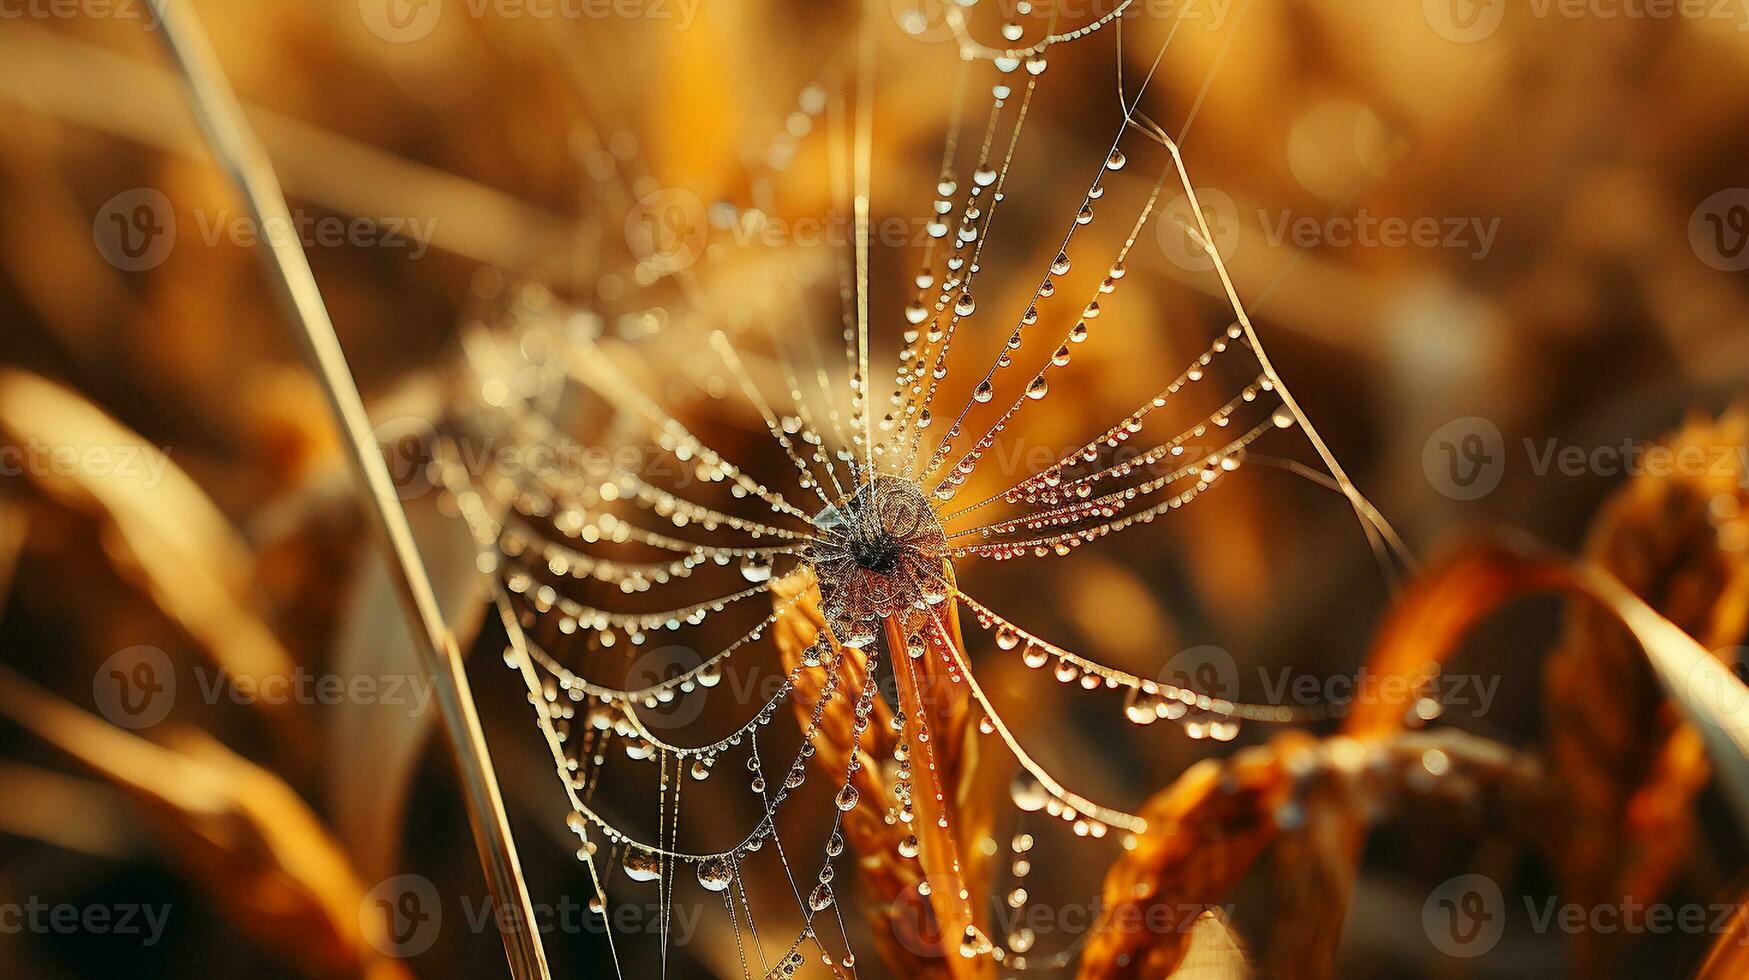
{"x":983,"y":390}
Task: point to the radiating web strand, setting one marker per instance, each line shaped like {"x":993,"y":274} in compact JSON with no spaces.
{"x":555,"y":746}
{"x":862,"y":166}
{"x":1116,"y":500}
{"x":1035,"y":388}
{"x":1112,"y":436}
{"x":946,"y":445}
{"x":1108,"y":815}
{"x":588,"y":372}
{"x":732,"y":359}
{"x":950,"y":147}
{"x":936,"y":365}
{"x":936,"y":357}
{"x":1372,"y":522}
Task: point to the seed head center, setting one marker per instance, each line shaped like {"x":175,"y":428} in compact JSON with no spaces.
{"x":879,"y":554}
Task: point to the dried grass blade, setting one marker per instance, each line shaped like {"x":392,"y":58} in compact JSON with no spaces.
{"x":227,"y":131}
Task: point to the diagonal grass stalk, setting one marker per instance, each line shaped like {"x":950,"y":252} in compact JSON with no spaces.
{"x":241,"y":155}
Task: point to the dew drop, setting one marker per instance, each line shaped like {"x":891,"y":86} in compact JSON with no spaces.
{"x":847,"y":797}
{"x":640,"y":866}
{"x":1028,"y":793}
{"x":715,"y":874}
{"x":756,"y":568}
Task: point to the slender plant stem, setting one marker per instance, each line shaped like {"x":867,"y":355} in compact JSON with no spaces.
{"x":241,"y":155}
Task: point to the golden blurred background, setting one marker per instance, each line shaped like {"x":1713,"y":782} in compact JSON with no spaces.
{"x":1519,"y":223}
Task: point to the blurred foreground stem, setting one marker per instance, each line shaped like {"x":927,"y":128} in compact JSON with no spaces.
{"x":221,"y":119}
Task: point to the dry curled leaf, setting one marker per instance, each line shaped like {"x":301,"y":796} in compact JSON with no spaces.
{"x":917,"y":932}
{"x":1629,"y":767}
{"x":162,"y":528}
{"x":239,"y":830}
{"x":1309,"y":800}
{"x":1204,"y":833}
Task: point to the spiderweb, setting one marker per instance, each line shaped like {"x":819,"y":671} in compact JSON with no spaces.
{"x":599,"y":554}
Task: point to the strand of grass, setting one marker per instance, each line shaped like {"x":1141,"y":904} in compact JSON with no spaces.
{"x":221,"y":119}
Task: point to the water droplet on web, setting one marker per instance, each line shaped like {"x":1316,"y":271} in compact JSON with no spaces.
{"x":1028,"y":793}
{"x":640,"y":866}
{"x":847,"y":797}
{"x":1143,"y":707}
{"x":1116,"y":161}
{"x":715,"y":874}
